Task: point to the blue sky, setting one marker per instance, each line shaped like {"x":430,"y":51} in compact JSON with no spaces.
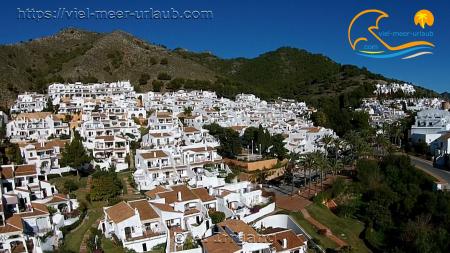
{"x":249,"y":28}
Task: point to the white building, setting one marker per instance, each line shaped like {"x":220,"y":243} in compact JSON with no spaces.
{"x":36,"y":126}
{"x":430,"y":125}
{"x":44,"y":154}
{"x":29,"y":102}
{"x":235,"y":236}
{"x":121,"y":89}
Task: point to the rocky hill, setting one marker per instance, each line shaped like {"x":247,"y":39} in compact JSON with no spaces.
{"x":78,"y":55}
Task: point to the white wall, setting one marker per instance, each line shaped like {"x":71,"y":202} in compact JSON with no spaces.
{"x":262,"y":212}
{"x":150,"y":243}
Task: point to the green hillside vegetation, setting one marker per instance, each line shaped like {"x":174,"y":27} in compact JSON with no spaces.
{"x":77,"y":55}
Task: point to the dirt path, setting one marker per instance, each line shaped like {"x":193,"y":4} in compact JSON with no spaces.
{"x":83,"y":246}
{"x":320,"y":226}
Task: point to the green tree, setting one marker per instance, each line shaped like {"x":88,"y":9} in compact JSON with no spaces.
{"x":230,"y":143}
{"x":187,"y":111}
{"x":70,"y":185}
{"x":105,"y":186}
{"x":157,"y":85}
{"x":49,"y":106}
{"x":143,"y":79}
{"x":74,"y":153}
{"x":13,"y":154}
{"x":216,"y":216}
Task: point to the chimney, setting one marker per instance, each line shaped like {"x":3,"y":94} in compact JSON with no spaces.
{"x":179,"y":196}
{"x":284,"y":243}
{"x":240,"y":236}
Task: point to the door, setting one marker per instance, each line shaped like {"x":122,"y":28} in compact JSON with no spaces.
{"x":127,"y":232}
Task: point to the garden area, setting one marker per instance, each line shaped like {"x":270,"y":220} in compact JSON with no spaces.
{"x":101,"y":189}
{"x":347,"y":229}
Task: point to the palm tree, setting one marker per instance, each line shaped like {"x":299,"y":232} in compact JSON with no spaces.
{"x":309,"y":163}
{"x":327,"y":140}
{"x":336,"y":166}
{"x":292,"y":168}
{"x":382,"y":144}
{"x":320,"y":166}
{"x":338,"y":146}
{"x":187,"y":111}
{"x":260,"y":176}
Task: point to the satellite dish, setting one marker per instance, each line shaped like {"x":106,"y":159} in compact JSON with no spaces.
{"x":180,"y":238}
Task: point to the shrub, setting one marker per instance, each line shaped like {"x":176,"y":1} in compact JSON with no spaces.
{"x":164,"y":76}
{"x":66,"y":229}
{"x":164,"y":61}
{"x":144,"y":79}
{"x":70,"y":185}
{"x":51,"y":210}
{"x":105,"y":186}
{"x":321,"y":198}
{"x":216,"y":216}
{"x":153,"y":61}
{"x":157,"y":85}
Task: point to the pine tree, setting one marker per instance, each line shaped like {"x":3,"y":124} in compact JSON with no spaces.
{"x":74,"y":154}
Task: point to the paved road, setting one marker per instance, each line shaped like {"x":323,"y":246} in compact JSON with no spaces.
{"x":427,"y":166}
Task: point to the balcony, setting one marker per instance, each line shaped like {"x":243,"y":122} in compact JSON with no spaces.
{"x":146,"y":234}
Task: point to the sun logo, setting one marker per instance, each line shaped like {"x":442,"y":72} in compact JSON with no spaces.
{"x":424,"y":17}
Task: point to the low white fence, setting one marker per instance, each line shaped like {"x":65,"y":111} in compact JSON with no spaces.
{"x":262,"y":212}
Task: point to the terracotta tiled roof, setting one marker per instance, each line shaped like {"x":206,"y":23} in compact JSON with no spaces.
{"x":220,"y":243}
{"x":34,"y":115}
{"x":50,"y":144}
{"x":191,"y":211}
{"x":120,"y":212}
{"x":312,"y":129}
{"x":25,"y":170}
{"x":172,"y":196}
{"x":13,"y":224}
{"x":38,"y":210}
{"x":190,"y":130}
{"x":163,"y":207}
{"x":7,"y":172}
{"x":159,"y":134}
{"x":293,"y":241}
{"x":58,"y":198}
{"x":105,"y":138}
{"x":152,"y":193}
{"x":163,"y":115}
{"x":201,"y":149}
{"x":238,"y":226}
{"x":154,"y":154}
{"x":203,"y":194}
{"x":146,"y":212}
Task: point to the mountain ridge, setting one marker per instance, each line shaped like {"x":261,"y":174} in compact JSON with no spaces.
{"x":79,"y":55}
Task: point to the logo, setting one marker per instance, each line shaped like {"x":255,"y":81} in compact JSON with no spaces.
{"x":375,"y":41}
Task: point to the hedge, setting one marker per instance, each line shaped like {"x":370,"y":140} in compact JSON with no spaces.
{"x":66,"y":229}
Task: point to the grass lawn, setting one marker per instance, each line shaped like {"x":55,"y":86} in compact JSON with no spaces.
{"x":123,"y":176}
{"x":74,"y":238}
{"x":322,"y":240}
{"x":345,"y":228}
{"x":110,"y":247}
{"x":59,"y":181}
